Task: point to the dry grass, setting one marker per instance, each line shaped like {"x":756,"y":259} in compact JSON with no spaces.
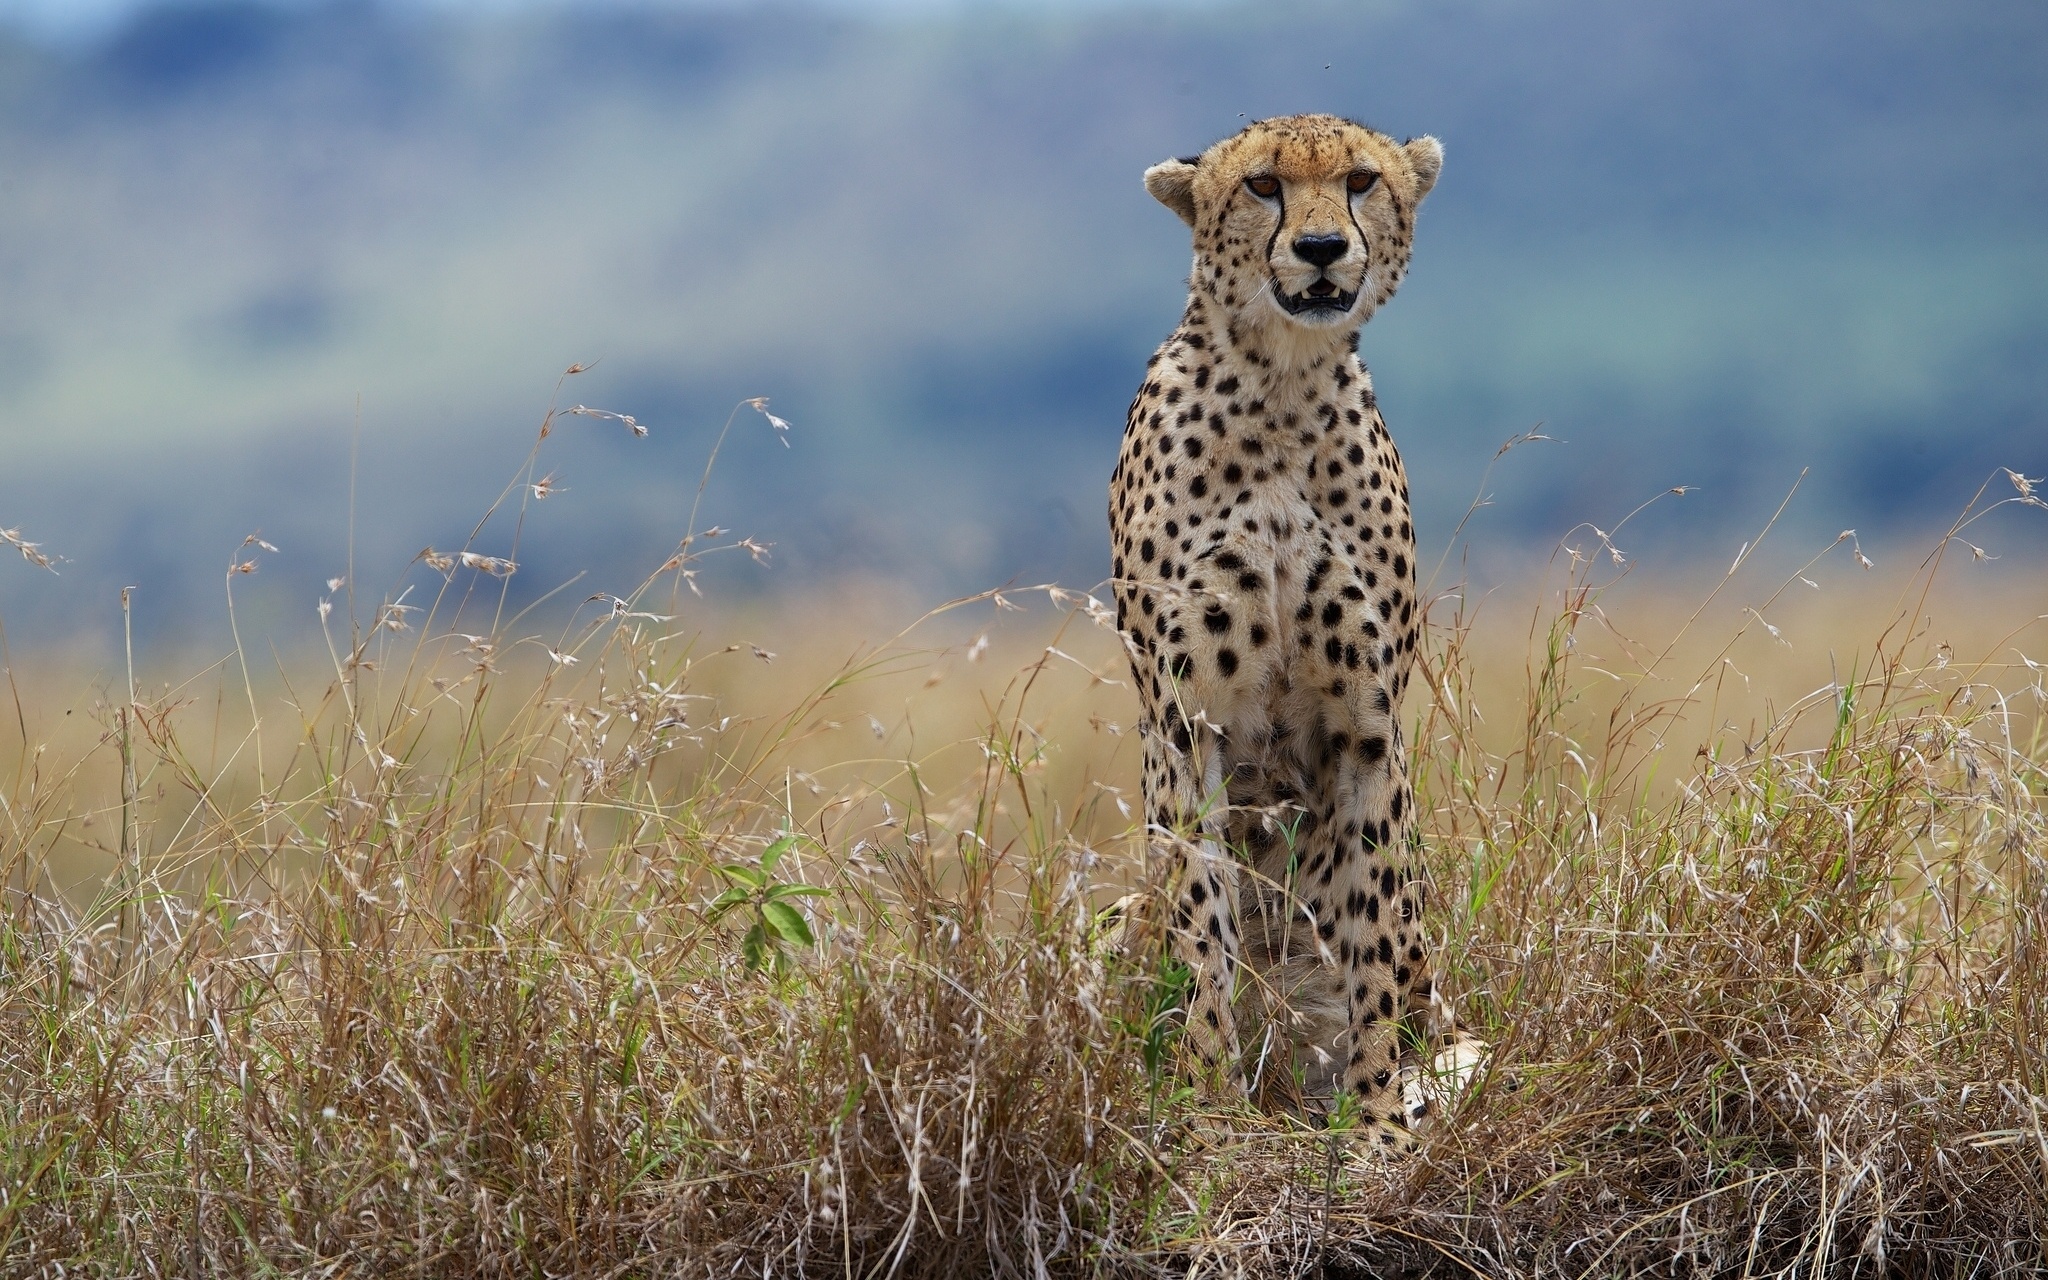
{"x":465,"y":959}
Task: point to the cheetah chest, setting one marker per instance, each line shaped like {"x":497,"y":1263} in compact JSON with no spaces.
{"x":1248,"y":532}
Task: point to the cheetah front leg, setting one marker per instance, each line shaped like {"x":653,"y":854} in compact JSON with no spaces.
{"x":1388,"y":964}
{"x":1185,"y":815}
{"x":1198,"y":653}
{"x":1355,"y":884}
{"x":1427,"y":1024}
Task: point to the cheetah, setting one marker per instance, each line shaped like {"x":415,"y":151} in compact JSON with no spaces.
{"x":1265,"y":584}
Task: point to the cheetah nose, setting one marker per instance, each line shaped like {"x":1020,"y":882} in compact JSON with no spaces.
{"x":1320,"y":251}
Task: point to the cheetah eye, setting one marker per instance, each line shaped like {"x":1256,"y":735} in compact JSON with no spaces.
{"x":1265,"y":186}
{"x":1360,"y":181}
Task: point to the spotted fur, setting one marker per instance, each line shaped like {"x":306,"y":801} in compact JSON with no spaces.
{"x":1265,"y":571}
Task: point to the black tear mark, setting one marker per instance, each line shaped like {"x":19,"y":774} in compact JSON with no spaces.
{"x":1278,"y":223}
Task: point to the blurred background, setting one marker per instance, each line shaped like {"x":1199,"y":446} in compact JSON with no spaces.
{"x":258,"y":257}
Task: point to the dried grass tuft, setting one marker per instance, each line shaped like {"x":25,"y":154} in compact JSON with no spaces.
{"x":581,"y":956}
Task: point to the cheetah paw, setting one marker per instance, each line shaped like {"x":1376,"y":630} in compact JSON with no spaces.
{"x":1428,"y":1089}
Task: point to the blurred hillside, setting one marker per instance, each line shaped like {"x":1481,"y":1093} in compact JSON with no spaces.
{"x":1706,"y":243}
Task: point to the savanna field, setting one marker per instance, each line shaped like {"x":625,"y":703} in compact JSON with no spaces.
{"x":669,"y":934}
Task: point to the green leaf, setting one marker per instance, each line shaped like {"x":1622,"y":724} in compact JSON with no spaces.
{"x":745,"y":875}
{"x":788,"y":922}
{"x":726,"y":901}
{"x":754,"y":947}
{"x":773,"y":853}
{"x":629,"y":1050}
{"x":797,"y":891}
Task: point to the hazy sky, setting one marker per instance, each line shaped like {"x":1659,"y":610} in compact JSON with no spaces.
{"x":73,"y":19}
{"x":1711,"y":243}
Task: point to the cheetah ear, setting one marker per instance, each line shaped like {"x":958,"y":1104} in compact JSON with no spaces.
{"x":1172,"y":183}
{"x":1426,"y":155}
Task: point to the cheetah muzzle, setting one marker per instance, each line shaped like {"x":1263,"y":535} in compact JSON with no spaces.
{"x":1265,"y":586}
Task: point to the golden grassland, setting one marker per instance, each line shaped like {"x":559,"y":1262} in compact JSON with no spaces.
{"x":764,"y":940}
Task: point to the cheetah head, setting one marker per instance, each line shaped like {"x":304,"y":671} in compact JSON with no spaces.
{"x":1301,"y":223}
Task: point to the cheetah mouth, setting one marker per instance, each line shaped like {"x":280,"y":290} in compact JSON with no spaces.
{"x":1320,"y":299}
